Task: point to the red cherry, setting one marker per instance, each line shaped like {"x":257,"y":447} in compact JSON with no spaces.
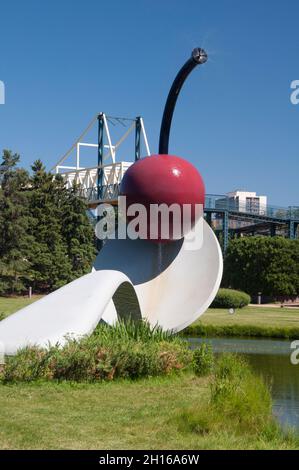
{"x":164,"y":179}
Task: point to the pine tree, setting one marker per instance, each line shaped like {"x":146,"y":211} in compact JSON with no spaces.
{"x":14,"y":221}
{"x":77,"y":232}
{"x":63,"y":246}
{"x":46,"y":239}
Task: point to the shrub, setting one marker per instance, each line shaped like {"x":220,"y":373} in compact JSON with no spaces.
{"x":258,"y":331}
{"x":203,"y":360}
{"x":130,"y":350}
{"x":229,"y":298}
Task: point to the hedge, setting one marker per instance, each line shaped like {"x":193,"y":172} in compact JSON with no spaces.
{"x":229,"y":298}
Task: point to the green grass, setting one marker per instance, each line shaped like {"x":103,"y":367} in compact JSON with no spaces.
{"x":228,"y":409}
{"x":262,"y":316}
{"x":248,"y":321}
{"x":10,"y":305}
{"x":145,"y":414}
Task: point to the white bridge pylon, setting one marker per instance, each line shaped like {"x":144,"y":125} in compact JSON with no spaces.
{"x":112,"y":168}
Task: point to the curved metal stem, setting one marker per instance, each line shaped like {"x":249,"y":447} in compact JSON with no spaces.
{"x":199,"y":56}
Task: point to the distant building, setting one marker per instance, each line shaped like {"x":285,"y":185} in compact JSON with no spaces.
{"x":244,"y":201}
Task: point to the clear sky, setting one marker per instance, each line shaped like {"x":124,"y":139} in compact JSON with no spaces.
{"x":63,"y":61}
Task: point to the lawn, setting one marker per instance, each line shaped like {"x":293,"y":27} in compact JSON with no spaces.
{"x":165,"y":412}
{"x":263,"y":316}
{"x":10,"y":305}
{"x":118,"y":415}
{"x":115,"y":415}
{"x":248,"y":321}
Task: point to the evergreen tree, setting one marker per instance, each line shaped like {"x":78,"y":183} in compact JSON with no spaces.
{"x":77,"y":232}
{"x":63,"y":249}
{"x":15,"y":240}
{"x":46,"y":239}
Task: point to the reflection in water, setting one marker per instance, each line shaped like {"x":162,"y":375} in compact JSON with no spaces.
{"x":284,"y":379}
{"x":271,"y":358}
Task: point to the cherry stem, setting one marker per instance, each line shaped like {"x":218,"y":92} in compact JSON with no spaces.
{"x":198,"y":56}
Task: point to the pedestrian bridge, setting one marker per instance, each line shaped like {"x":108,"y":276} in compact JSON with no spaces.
{"x":106,"y":143}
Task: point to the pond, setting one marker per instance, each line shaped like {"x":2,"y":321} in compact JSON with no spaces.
{"x":271,"y":359}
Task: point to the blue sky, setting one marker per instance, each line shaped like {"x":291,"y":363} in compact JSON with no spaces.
{"x":63,"y":61}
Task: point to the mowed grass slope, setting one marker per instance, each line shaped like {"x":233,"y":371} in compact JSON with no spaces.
{"x":117,"y":415}
{"x":248,"y":321}
{"x":264,"y":316}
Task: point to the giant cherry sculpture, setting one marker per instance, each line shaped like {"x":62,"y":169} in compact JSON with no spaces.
{"x":163,"y":178}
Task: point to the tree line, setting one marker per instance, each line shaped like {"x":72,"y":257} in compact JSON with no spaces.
{"x":263,"y":264}
{"x":46,"y":239}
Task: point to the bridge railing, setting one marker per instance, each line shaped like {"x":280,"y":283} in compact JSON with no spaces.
{"x":222,"y":202}
{"x":86,"y":181}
